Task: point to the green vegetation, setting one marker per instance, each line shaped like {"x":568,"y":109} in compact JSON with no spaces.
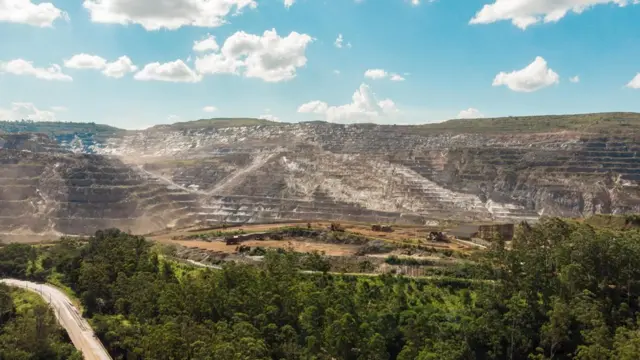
{"x":564,"y":290}
{"x":217,"y":123}
{"x":208,"y":235}
{"x":55,"y":128}
{"x":602,"y":123}
{"x":616,"y":222}
{"x":29,"y":330}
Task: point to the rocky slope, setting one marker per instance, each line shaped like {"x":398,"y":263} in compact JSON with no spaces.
{"x":255,"y":171}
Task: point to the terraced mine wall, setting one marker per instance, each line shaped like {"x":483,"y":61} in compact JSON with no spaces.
{"x":56,"y":192}
{"x":389,"y":174}
{"x":147,"y":180}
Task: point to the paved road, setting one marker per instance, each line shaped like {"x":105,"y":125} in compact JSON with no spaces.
{"x":69,"y":317}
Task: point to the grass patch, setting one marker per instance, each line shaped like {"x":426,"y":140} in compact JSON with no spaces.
{"x":55,"y":279}
{"x":25,"y":300}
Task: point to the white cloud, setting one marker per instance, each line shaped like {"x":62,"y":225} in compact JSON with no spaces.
{"x":269,"y":117}
{"x":524,"y":13}
{"x":575,"y":79}
{"x":268,"y":57}
{"x":209,"y":109}
{"x":119,"y":68}
{"x":337,"y":72}
{"x":339,"y":43}
{"x":364,"y":107}
{"x":23,"y":67}
{"x":85,"y":61}
{"x":635,"y":82}
{"x":470,"y":113}
{"x":26,"y":12}
{"x":535,"y":76}
{"x":115,"y":69}
{"x":207,"y":44}
{"x":167,"y":14}
{"x":217,"y":64}
{"x":288,"y":3}
{"x":59,"y":108}
{"x":26,"y":111}
{"x":314,"y":107}
{"x":175,"y":71}
{"x":375,"y":74}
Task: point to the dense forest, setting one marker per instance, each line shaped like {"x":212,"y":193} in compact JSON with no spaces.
{"x":29,"y":330}
{"x":560,"y":290}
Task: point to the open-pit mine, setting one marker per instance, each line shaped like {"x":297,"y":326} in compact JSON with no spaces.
{"x":73,"y":179}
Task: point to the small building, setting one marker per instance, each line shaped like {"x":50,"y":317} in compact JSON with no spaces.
{"x":465,"y":232}
{"x":484,"y":231}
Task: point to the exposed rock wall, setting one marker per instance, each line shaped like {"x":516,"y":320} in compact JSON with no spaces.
{"x":147,"y":180}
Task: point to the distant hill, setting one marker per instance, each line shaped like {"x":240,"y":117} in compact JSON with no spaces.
{"x":216,"y":123}
{"x":609,"y":123}
{"x":55,"y":128}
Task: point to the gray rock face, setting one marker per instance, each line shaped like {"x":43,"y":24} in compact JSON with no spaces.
{"x":148,"y":180}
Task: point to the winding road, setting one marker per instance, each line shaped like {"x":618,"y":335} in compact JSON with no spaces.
{"x":79,"y":330}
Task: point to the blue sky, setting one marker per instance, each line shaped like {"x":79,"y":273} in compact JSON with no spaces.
{"x":282,"y":62}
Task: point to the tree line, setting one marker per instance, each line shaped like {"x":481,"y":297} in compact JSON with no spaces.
{"x":561,"y":290}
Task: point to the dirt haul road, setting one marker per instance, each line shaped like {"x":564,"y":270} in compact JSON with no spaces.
{"x":69,"y":317}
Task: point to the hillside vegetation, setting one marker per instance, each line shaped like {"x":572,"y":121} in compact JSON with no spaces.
{"x":597,"y":123}
{"x":54,"y":128}
{"x":600,"y":123}
{"x":566,"y":290}
{"x":29,"y":330}
{"x":216,"y":123}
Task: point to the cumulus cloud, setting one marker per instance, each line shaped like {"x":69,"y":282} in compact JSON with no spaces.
{"x":339,"y":43}
{"x":396,"y":77}
{"x":24,"y":67}
{"x":85,"y":61}
{"x":115,"y":69}
{"x":575,"y":79}
{"x":165,"y":14}
{"x":375,"y":74}
{"x":119,"y":68}
{"x":314,"y":107}
{"x":268,"y":56}
{"x":209,"y":109}
{"x":288,"y":3}
{"x":26,"y":111}
{"x":535,"y":76}
{"x":218,"y":64}
{"x":174,"y":71}
{"x":269,"y":117}
{"x":524,"y":13}
{"x":364,"y":107}
{"x":207,"y":44}
{"x":635,"y":82}
{"x":26,"y":12}
{"x":470,"y":113}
